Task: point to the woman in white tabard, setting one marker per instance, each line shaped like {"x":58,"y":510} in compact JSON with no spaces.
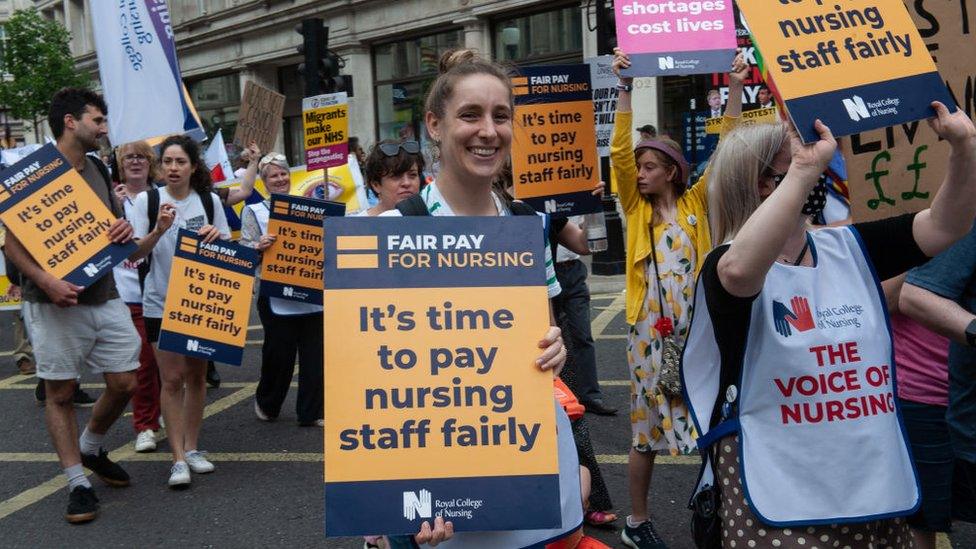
{"x":788,"y":366}
{"x":137,"y":172}
{"x":469,"y":116}
{"x":290,"y":328}
{"x":181,"y":206}
{"x":394,"y":170}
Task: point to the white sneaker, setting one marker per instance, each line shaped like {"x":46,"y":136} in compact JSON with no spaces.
{"x":146,"y":441}
{"x":179,"y":475}
{"x":198,"y":463}
{"x":259,"y":412}
{"x":320,"y":422}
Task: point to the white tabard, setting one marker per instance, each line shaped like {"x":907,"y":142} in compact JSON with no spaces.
{"x":821,"y":439}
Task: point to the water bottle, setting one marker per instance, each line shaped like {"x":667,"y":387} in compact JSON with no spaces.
{"x":596,"y":232}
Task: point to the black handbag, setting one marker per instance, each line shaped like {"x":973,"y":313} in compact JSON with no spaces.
{"x":706,"y":522}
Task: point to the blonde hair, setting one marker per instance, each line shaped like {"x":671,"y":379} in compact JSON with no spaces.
{"x":742,"y":156}
{"x":137,"y":147}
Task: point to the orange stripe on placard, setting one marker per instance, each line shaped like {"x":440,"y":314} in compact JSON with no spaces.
{"x":520,"y":91}
{"x":520,"y":80}
{"x":283,"y":209}
{"x":189,"y":249}
{"x":344,"y":243}
{"x":188,"y":242}
{"x":357,"y":261}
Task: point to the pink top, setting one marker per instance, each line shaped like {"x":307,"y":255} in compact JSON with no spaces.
{"x":922,"y":357}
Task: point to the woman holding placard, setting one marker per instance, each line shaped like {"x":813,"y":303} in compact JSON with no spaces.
{"x":667,"y":239}
{"x":290,"y":327}
{"x":469,"y":117}
{"x":788,"y":364}
{"x":185,"y":202}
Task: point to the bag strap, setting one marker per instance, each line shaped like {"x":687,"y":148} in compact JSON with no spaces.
{"x":152,"y":207}
{"x":413,"y":206}
{"x":208,"y":206}
{"x":657,"y":275}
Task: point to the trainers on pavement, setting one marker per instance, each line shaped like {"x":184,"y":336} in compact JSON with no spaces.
{"x":179,"y":475}
{"x":198,"y":463}
{"x":642,"y":536}
{"x":107,"y":470}
{"x":146,"y":441}
{"x":82,"y":505}
{"x":82,"y":398}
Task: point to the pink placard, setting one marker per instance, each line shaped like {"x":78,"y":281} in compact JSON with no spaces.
{"x":659,"y":26}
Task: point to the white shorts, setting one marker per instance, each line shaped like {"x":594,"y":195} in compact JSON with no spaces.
{"x":101,"y":337}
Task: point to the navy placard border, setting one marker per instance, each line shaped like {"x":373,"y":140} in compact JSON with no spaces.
{"x":332,"y":209}
{"x":223,"y":353}
{"x":276,"y":289}
{"x":582,"y":202}
{"x":116,"y":253}
{"x":45,"y":155}
{"x":709,"y":61}
{"x":915,"y":94}
{"x":578,"y":74}
{"x":368,"y":507}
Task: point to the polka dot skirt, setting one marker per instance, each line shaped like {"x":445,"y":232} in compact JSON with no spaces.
{"x":742,"y":530}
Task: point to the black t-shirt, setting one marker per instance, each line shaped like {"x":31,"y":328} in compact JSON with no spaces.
{"x":890,"y":246}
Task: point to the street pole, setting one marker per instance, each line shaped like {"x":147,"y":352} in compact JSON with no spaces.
{"x":612,"y":261}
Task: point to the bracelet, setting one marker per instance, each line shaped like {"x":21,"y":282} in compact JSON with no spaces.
{"x":624,"y":87}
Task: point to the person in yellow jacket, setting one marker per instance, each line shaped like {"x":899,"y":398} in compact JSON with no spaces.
{"x":667,"y":239}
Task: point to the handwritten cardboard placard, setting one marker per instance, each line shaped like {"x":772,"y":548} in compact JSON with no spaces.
{"x":58,"y":218}
{"x":555,"y":164}
{"x":899,"y":169}
{"x":675,"y":37}
{"x":208,"y":299}
{"x":857,"y":66}
{"x":260,"y":116}
{"x":291,"y":268}
{"x":433,"y":404}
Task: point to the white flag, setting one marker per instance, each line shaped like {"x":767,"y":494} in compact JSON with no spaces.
{"x":216,"y":159}
{"x":139,"y":71}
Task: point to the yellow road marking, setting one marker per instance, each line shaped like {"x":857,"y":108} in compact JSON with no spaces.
{"x":603,"y":319}
{"x":611,"y":336}
{"x":122,"y":453}
{"x":615,"y":382}
{"x":6,"y":353}
{"x":942,"y":541}
{"x":621,"y":459}
{"x":10,"y":381}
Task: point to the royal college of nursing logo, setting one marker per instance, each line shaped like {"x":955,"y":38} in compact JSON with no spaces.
{"x":665,"y":63}
{"x":856,"y":108}
{"x":795,"y":317}
{"x":91,"y":270}
{"x":414,"y":505}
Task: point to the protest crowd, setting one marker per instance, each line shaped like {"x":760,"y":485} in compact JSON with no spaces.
{"x":781,"y":343}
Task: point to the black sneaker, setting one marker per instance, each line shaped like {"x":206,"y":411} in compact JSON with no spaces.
{"x":106,"y":469}
{"x":83,"y":399}
{"x":82,"y":505}
{"x":213,"y":378}
{"x":40,"y":393}
{"x":643,"y":536}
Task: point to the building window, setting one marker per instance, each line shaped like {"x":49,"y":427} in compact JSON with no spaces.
{"x":404,"y":71}
{"x":554,"y":36}
{"x":218,"y":101}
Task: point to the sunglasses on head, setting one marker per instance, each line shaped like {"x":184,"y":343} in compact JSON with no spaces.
{"x":393,"y":149}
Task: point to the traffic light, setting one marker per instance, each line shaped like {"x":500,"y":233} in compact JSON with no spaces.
{"x":321,"y":66}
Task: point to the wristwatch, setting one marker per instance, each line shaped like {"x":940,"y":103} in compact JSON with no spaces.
{"x":971,"y":333}
{"x":624,"y":87}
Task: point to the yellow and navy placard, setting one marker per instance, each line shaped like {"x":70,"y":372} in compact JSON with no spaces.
{"x":7,"y":301}
{"x":58,"y":218}
{"x":209,"y":299}
{"x":555,"y":164}
{"x":857,"y":65}
{"x":326,"y":127}
{"x":291,"y":268}
{"x":434,"y":404}
{"x":769,"y":115}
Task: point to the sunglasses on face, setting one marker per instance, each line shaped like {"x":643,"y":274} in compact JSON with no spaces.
{"x":135,"y":158}
{"x":393,"y":149}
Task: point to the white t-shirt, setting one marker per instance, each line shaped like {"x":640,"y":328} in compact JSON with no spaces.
{"x":127,"y":273}
{"x":438,"y":207}
{"x":190,"y":215}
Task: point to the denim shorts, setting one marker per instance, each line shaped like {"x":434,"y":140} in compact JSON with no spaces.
{"x":948,"y":483}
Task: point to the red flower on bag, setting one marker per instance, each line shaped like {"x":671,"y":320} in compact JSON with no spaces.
{"x":664,"y":326}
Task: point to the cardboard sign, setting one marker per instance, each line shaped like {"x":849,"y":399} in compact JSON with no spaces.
{"x":291,"y":268}
{"x":434,"y":404}
{"x":208,"y":300}
{"x":58,"y":218}
{"x":555,"y":165}
{"x":770,"y":115}
{"x":326,"y":127}
{"x":899,"y":169}
{"x":675,"y":37}
{"x":605,"y":96}
{"x":857,"y":67}
{"x":259,"y":117}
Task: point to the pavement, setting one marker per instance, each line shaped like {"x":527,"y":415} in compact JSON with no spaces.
{"x":267,"y":488}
